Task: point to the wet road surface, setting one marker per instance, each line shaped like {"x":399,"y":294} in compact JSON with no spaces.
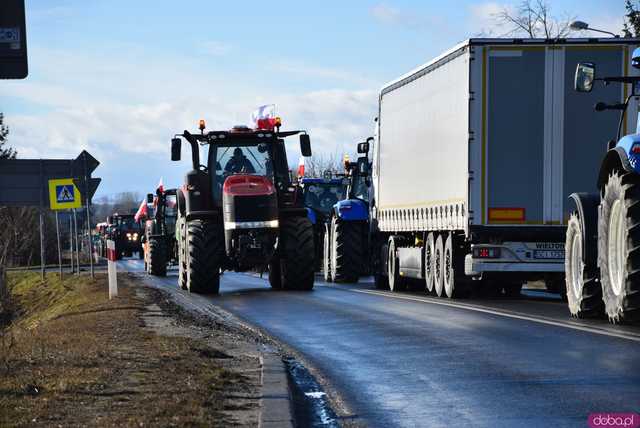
{"x":412,"y":360}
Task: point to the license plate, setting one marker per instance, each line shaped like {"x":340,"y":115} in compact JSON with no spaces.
{"x":548,"y":254}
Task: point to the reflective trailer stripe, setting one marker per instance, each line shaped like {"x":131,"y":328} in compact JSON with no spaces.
{"x":230,"y":225}
{"x":506,"y":214}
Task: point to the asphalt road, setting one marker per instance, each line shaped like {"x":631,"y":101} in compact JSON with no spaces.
{"x":412,"y":360}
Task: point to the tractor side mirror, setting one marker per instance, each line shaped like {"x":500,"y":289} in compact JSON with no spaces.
{"x":176,"y":148}
{"x":635,"y":58}
{"x":585,"y":76}
{"x":149,"y":198}
{"x":305,"y":145}
{"x":363,"y":147}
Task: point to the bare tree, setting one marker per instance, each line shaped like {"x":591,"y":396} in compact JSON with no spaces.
{"x":533,"y":19}
{"x":318,"y":165}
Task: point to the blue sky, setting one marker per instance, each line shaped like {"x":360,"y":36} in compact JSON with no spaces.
{"x":118,"y":78}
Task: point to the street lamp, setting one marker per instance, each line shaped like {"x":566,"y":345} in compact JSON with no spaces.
{"x":583,"y":26}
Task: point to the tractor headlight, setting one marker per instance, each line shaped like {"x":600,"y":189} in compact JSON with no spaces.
{"x":129,"y":236}
{"x":135,"y":236}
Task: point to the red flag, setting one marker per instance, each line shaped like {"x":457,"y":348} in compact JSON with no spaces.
{"x":160,"y":186}
{"x":142,"y":211}
{"x":301,"y":167}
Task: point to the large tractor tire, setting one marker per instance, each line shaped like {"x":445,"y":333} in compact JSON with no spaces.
{"x":619,"y":247}
{"x":396,"y":282}
{"x":584,"y":293}
{"x":181,"y":245}
{"x":275,"y":279}
{"x":205,"y":251}
{"x":157,"y":257}
{"x":326,"y":255}
{"x":438,"y":268}
{"x":429,"y":263}
{"x":297,"y":254}
{"x":347,"y":250}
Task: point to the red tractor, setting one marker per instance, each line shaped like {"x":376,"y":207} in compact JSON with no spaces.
{"x":241,"y":211}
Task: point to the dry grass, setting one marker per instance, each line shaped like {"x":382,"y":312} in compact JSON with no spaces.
{"x":72,"y":357}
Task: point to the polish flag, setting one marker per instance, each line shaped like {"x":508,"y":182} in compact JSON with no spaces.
{"x":301,"y":167}
{"x":160,"y":187}
{"x":264,"y":117}
{"x":142,"y":211}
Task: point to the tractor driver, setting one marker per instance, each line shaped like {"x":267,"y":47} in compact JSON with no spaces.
{"x":239,"y":163}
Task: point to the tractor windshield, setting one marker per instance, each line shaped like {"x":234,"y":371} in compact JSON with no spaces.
{"x":322,"y":196}
{"x":127,"y":223}
{"x":360,"y":189}
{"x":240,"y":158}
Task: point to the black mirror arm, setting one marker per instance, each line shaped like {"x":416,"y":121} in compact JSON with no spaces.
{"x":195,"y":150}
{"x":623,"y":115}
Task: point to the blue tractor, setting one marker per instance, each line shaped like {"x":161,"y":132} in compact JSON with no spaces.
{"x":602,"y":249}
{"x":346,"y":241}
{"x":320,"y":195}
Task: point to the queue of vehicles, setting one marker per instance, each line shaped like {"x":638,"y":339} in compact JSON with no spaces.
{"x":480,"y":159}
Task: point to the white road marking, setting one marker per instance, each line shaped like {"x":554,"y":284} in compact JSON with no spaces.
{"x":504,"y":313}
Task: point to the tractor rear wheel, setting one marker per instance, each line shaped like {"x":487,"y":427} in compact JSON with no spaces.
{"x":347,"y":250}
{"x":619,"y":247}
{"x":296,"y":254}
{"x":205,"y":251}
{"x":326,"y":255}
{"x":157,"y":257}
{"x":275,"y":279}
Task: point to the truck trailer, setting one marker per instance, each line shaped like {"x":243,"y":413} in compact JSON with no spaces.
{"x":476,"y":154}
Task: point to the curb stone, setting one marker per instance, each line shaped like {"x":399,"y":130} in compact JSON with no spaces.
{"x":275,"y":401}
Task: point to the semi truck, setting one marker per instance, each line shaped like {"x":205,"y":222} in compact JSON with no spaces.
{"x":476,"y":154}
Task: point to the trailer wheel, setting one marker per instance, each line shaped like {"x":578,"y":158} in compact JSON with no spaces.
{"x":429,"y":262}
{"x":584,"y":293}
{"x":455,"y":283}
{"x":396,"y":282}
{"x":438,"y":266}
{"x":326,"y":255}
{"x":275,"y":281}
{"x":513,"y":289}
{"x":347,"y":250}
{"x":619,"y":247}
{"x":297,"y":254}
{"x":157,"y":257}
{"x":205,"y":245}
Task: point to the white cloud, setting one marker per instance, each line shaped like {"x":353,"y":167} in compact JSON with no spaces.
{"x":215,"y":48}
{"x":125,"y":111}
{"x":435,"y":24}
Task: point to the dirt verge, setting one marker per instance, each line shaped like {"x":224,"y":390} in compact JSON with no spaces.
{"x":71,"y":357}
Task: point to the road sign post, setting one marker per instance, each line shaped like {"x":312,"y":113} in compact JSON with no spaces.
{"x":59,"y":246}
{"x":112,"y":269}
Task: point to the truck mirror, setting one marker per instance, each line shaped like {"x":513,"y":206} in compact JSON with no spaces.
{"x":176,"y":148}
{"x":585,"y":76}
{"x":363,"y":147}
{"x":149,"y":198}
{"x":635,"y":58}
{"x":305,"y":145}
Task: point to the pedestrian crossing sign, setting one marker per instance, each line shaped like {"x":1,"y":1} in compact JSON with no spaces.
{"x":63,"y":194}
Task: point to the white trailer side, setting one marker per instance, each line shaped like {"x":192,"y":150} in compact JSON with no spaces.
{"x":485,"y":143}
